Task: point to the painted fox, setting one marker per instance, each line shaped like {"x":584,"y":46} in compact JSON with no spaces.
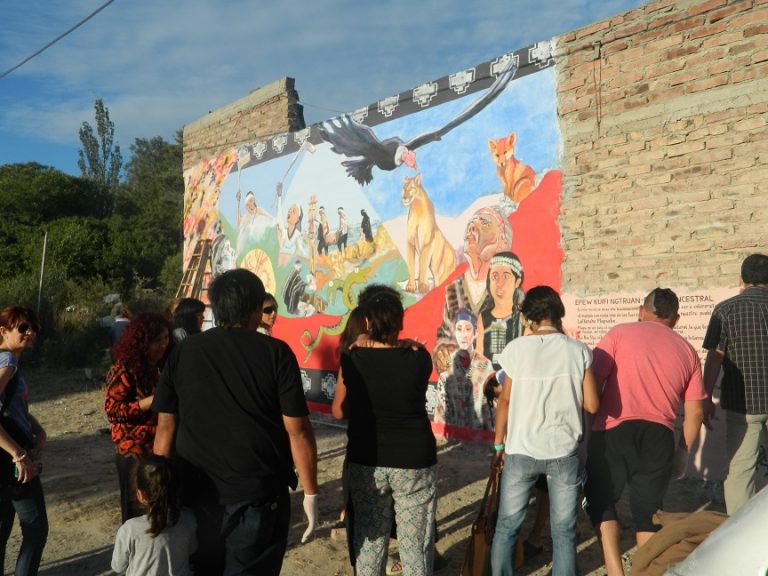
{"x":517,"y":178}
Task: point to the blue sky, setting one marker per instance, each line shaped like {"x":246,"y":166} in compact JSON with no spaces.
{"x":160,"y":65}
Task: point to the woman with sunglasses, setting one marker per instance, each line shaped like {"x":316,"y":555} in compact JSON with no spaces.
{"x":130,"y":389}
{"x":23,"y":439}
{"x":268,"y":315}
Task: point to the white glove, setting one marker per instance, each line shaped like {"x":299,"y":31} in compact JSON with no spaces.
{"x":680,"y":463}
{"x":310,"y":510}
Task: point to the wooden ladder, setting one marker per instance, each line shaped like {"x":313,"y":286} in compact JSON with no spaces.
{"x":192,"y":281}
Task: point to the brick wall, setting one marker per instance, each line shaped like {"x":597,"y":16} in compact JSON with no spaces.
{"x":271,"y":109}
{"x":663,"y":114}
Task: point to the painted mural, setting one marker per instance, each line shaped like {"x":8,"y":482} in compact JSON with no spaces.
{"x":449,"y":192}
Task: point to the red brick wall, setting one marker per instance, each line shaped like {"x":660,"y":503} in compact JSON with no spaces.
{"x":665,"y":145}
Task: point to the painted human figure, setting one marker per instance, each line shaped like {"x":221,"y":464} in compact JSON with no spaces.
{"x":500,"y":322}
{"x":365,"y":226}
{"x":252,"y":224}
{"x":461,"y":387}
{"x":322,"y":231}
{"x":289,"y":234}
{"x":343,"y":231}
{"x":487,"y":233}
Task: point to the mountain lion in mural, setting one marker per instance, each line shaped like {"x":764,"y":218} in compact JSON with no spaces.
{"x":424,"y":239}
{"x":517,"y":178}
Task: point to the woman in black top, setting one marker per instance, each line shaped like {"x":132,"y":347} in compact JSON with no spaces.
{"x":391,"y":452}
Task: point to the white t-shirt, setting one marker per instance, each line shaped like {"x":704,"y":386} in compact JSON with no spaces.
{"x":545,"y":406}
{"x":167,"y":554}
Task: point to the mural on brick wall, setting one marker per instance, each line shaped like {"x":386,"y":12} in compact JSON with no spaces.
{"x":450,"y":192}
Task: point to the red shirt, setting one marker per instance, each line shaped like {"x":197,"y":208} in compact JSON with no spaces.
{"x":133,"y":430}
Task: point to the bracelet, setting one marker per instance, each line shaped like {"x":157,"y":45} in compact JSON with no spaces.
{"x":20,"y":458}
{"x":498,"y":447}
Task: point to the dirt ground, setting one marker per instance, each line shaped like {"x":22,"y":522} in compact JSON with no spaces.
{"x":83,"y":505}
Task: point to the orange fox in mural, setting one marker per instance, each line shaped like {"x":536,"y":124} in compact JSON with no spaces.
{"x":425,"y":239}
{"x":517,"y":178}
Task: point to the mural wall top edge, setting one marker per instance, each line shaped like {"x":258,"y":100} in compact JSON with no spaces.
{"x":529,"y":60}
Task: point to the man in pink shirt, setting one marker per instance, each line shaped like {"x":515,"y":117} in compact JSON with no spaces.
{"x":647,"y":370}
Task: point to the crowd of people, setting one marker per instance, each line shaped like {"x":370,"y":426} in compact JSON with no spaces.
{"x":211,"y":429}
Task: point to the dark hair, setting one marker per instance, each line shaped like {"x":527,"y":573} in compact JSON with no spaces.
{"x":383,"y":307}
{"x":156,"y":479}
{"x":662,"y":302}
{"x":268,"y":298}
{"x":186,"y":313}
{"x":754,"y":269}
{"x":510,"y":259}
{"x":13,"y":315}
{"x":235,"y":295}
{"x":131,"y":349}
{"x":353,"y":328}
{"x":543,"y":303}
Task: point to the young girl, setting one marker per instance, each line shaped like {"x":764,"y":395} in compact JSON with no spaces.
{"x":160,"y":543}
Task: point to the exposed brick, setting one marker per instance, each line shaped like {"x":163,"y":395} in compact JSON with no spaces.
{"x":755,"y":30}
{"x":684,"y":148}
{"x":705,"y":7}
{"x":754,"y":16}
{"x":707,"y":83}
{"x":734,"y":8}
{"x":722,"y":39}
{"x":755,"y":71}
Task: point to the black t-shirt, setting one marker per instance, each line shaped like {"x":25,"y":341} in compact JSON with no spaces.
{"x":386,"y":402}
{"x":230,"y":388}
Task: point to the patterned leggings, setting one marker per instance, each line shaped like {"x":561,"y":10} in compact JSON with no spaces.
{"x":380,"y":495}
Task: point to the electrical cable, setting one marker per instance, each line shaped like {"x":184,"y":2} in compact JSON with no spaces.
{"x":52,"y":42}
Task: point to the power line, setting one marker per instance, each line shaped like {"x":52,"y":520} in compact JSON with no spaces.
{"x":52,"y":42}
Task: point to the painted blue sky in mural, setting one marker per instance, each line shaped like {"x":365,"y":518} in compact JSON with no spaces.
{"x":160,"y":65}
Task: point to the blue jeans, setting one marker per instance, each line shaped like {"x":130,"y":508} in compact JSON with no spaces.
{"x":564,"y":479}
{"x":33,"y":520}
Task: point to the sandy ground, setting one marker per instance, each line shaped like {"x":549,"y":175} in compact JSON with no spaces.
{"x":83,"y":507}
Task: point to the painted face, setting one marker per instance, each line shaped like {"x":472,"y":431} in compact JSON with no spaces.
{"x":503,"y":283}
{"x":157,"y":347}
{"x":481,"y":233}
{"x":293,"y":214}
{"x":465,"y":334}
{"x":20,"y":336}
{"x":250,"y":203}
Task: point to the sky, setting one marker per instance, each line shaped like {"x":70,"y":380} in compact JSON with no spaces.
{"x":161,"y":65}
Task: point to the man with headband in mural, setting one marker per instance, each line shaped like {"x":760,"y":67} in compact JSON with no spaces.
{"x":487,"y":233}
{"x":252,"y":225}
{"x":461,"y":401}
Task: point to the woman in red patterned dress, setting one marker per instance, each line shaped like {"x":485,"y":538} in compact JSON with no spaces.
{"x":130,"y":388}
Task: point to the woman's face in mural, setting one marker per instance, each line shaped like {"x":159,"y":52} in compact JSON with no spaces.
{"x":250,"y":203}
{"x":503,"y":283}
{"x":465,"y":334}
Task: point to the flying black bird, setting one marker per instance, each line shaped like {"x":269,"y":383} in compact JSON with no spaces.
{"x":358,"y":141}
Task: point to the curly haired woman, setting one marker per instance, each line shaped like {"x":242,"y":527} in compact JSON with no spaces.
{"x":130,"y":389}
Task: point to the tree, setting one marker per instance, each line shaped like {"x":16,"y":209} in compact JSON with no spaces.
{"x":99,"y":158}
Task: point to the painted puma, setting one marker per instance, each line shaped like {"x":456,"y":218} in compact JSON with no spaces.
{"x":424,"y":238}
{"x":517,"y":178}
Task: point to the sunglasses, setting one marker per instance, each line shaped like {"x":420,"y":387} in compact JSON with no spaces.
{"x":269,"y":309}
{"x":25,"y":327}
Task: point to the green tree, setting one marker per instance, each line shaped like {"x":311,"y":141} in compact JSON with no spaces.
{"x":145,"y":229}
{"x":99,"y":158}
